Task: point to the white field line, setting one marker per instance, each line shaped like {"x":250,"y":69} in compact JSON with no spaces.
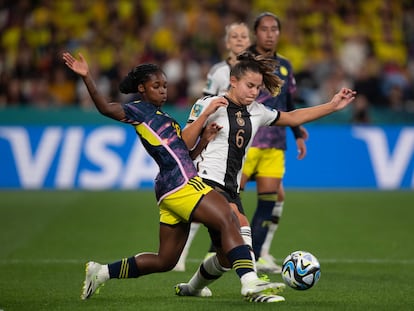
{"x":195,"y":260}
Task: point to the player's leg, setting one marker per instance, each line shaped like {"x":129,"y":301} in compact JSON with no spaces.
{"x":262,"y":217}
{"x":215,"y":212}
{"x":211,"y":269}
{"x":264,"y":235}
{"x":270,"y":171}
{"x":276,"y":215}
{"x":180,"y":266}
{"x":175,"y":218}
{"x":172,"y":240}
{"x":245,"y":230}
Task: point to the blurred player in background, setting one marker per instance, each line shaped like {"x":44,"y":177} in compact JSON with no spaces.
{"x":181,"y":194}
{"x":237,"y":39}
{"x":265,"y":160}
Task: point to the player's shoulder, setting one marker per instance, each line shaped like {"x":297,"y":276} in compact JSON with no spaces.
{"x":219,"y":67}
{"x":259,"y":108}
{"x":256,"y":106}
{"x":200,"y":105}
{"x":207,"y":98}
{"x":283,"y":60}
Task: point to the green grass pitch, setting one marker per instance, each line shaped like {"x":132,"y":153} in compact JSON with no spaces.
{"x":363,"y":239}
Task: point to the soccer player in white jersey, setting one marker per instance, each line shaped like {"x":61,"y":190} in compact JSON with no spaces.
{"x":265,"y":160}
{"x":237,"y":39}
{"x":219,"y":161}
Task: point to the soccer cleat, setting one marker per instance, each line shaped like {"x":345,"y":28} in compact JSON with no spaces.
{"x":261,"y":287}
{"x":93,"y":280}
{"x":183,"y":289}
{"x":267,"y":264}
{"x":265,"y":298}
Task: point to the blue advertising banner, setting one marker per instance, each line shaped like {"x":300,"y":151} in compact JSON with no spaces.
{"x":112,"y":157}
{"x":353,"y":157}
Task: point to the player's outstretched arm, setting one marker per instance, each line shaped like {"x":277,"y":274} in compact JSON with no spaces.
{"x":80,"y":66}
{"x":300,"y":116}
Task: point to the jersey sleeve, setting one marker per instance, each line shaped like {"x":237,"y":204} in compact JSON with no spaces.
{"x":269,"y":115}
{"x":133,"y":113}
{"x":198,"y":108}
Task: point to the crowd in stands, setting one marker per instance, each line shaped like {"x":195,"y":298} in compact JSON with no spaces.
{"x":365,"y":45}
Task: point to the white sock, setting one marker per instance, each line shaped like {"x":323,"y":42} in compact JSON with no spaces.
{"x":212,"y":266}
{"x":277,"y":212}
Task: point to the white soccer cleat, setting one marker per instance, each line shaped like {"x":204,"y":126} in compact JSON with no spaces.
{"x":184,"y":289}
{"x":268,"y":298}
{"x":93,"y":280}
{"x":261,"y":287}
{"x":267,"y":264}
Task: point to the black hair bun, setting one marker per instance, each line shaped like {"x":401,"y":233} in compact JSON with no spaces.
{"x":128,"y":84}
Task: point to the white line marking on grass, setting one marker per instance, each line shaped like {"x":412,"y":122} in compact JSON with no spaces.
{"x":195,"y":260}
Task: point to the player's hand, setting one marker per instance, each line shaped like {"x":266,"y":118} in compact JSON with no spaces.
{"x":304,"y":132}
{"x":215,"y":104}
{"x":300,"y":144}
{"x":343,"y":98}
{"x":79,"y":66}
{"x":210,"y":131}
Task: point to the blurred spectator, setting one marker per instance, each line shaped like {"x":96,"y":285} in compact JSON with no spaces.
{"x":14,"y":94}
{"x":394,"y":86}
{"x":103,"y":84}
{"x":61,"y":88}
{"x":365,"y":44}
{"x":368,"y":81}
{"x":169,"y":26}
{"x":408,"y":28}
{"x":181,"y":71}
{"x":204,"y":30}
{"x":360,"y":110}
{"x":39,"y":94}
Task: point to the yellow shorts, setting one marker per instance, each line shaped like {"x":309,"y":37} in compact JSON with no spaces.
{"x":269,"y":162}
{"x":179,"y":206}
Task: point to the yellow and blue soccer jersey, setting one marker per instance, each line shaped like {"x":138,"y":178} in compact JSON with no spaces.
{"x":161,"y":137}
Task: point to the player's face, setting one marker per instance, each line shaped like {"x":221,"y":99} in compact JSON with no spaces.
{"x":155,"y":89}
{"x":245,"y":90}
{"x":238,"y":39}
{"x":267,"y":34}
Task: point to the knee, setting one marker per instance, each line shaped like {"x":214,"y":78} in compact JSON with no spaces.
{"x":215,"y":237}
{"x":167,"y":266}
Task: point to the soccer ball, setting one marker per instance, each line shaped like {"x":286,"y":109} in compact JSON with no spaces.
{"x":301,"y":270}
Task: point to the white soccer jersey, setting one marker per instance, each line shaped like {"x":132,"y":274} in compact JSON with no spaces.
{"x":221,"y":161}
{"x":218,"y":79}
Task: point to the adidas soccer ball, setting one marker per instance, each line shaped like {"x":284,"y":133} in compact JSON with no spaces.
{"x":301,"y":270}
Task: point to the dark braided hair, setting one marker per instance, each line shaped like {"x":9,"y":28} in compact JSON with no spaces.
{"x":137,"y":76}
{"x":247,"y":61}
